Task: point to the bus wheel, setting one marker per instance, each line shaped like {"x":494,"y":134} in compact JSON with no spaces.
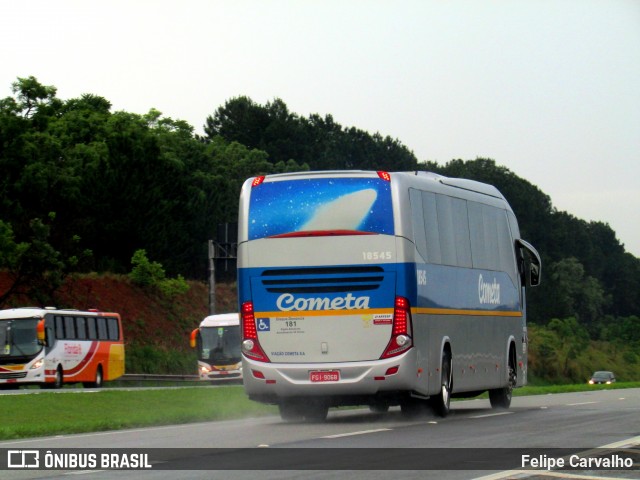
{"x":291,"y":410}
{"x":59,"y":379}
{"x":501,"y":397}
{"x":98,"y":382}
{"x":316,"y":412}
{"x":379,"y":407}
{"x":441,"y":403}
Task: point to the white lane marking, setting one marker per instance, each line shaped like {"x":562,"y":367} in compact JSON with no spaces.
{"x":362,"y":432}
{"x":524,"y":474}
{"x":623,"y":443}
{"x":580,"y":403}
{"x":492,"y":415}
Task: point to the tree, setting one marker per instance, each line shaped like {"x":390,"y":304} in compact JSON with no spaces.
{"x":35,"y":98}
{"x":238,"y":120}
{"x":575,"y":294}
{"x":318,"y":142}
{"x":574,"y":339}
{"x":35,"y":267}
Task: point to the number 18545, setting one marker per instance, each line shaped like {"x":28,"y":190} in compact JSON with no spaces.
{"x":376,"y":255}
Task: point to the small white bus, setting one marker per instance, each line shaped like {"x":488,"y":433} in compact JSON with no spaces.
{"x":217,"y":342}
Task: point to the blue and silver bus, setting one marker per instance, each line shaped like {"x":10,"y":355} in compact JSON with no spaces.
{"x":380,"y":289}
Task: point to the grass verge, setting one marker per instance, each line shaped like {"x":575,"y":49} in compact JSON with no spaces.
{"x":75,"y":411}
{"x":580,"y":387}
{"x":72,"y":411}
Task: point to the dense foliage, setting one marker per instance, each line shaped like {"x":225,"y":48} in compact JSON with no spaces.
{"x":83,"y":188}
{"x":318,"y":142}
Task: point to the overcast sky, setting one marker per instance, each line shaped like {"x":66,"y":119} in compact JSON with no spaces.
{"x":548,"y":88}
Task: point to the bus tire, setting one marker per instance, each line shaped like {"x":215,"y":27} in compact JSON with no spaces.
{"x":291,"y":410}
{"x":59,"y":379}
{"x":501,"y":397}
{"x":98,"y":381}
{"x":379,"y":407}
{"x":316,"y":412}
{"x":441,"y":403}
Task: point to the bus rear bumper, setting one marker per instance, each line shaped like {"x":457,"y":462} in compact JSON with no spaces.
{"x":271,"y":382}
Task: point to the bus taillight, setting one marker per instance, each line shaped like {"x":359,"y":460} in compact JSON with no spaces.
{"x":257,"y":181}
{"x":250,"y":344}
{"x":384,"y":175}
{"x":401,"y":330}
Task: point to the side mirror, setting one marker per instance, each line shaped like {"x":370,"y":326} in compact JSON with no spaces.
{"x":41,"y":333}
{"x":533,"y":268}
{"x":192,"y":338}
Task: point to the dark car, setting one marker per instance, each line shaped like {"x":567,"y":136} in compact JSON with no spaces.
{"x":602,"y":377}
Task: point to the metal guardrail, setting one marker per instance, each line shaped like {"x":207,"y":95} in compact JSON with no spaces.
{"x":141,"y":377}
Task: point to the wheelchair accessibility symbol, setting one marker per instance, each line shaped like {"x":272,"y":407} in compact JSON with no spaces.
{"x":264,"y":324}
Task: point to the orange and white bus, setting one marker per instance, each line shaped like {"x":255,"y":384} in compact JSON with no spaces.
{"x":51,"y":347}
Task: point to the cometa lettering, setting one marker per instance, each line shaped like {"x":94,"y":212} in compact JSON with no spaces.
{"x":287,"y":302}
{"x":488,"y":292}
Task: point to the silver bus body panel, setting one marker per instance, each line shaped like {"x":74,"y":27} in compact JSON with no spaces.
{"x":356,"y":378}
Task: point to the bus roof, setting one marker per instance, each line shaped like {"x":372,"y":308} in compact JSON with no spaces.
{"x":221,"y":320}
{"x":461,"y":183}
{"x":30,"y":312}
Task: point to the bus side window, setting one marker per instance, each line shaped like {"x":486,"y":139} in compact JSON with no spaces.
{"x":92,"y":332}
{"x":59,"y":327}
{"x":453,"y":226}
{"x":429,"y":210}
{"x":69,"y":328}
{"x":112,"y":329}
{"x":417,"y":220}
{"x":81,"y":331}
{"x":102,"y":328}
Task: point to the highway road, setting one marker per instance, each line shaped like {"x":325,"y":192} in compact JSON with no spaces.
{"x":578,"y":421}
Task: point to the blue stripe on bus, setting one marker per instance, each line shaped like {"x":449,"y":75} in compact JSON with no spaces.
{"x":427,"y":286}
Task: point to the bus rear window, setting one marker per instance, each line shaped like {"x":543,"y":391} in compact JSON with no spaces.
{"x":317,"y":206}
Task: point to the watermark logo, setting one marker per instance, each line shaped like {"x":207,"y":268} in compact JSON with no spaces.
{"x":75,"y":459}
{"x":23,"y":459}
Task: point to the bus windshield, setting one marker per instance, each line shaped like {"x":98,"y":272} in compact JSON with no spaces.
{"x":18,"y":338}
{"x":220,"y":345}
{"x":321,"y":206}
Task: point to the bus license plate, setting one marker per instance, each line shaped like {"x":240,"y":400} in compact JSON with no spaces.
{"x":328,"y":376}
